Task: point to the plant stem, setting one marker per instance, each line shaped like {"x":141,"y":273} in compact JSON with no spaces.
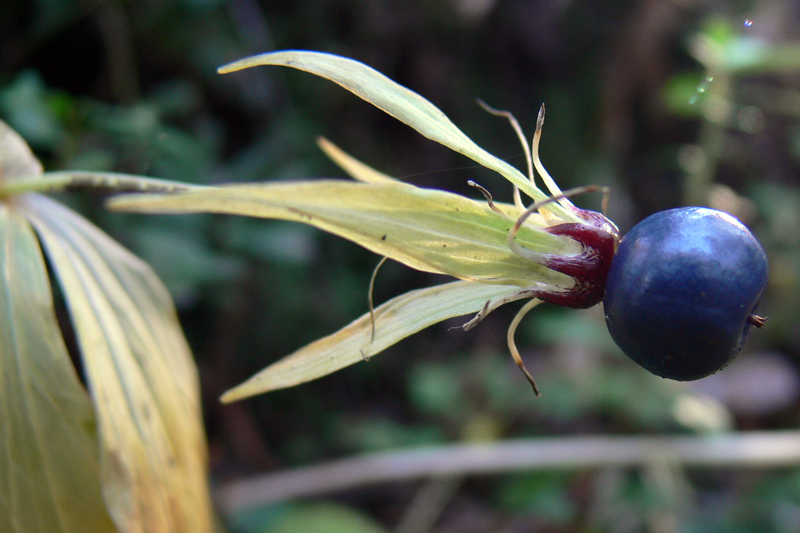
{"x":740,"y":450}
{"x":108,"y":181}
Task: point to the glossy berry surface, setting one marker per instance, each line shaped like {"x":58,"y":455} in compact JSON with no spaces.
{"x":681,"y":291}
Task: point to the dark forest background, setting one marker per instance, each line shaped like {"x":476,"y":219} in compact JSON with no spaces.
{"x":669,"y":103}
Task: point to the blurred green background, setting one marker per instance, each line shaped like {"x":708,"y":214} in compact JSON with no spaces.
{"x":667,"y":102}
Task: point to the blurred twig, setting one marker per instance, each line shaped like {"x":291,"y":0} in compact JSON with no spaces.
{"x":748,"y":450}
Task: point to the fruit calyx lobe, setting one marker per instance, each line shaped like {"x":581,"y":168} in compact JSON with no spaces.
{"x":599,"y":239}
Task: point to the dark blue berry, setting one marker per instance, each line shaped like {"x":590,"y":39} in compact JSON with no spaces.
{"x":682,"y":291}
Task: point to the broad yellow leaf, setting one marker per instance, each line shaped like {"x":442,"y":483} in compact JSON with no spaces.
{"x":426,"y":229}
{"x":139,"y":371}
{"x":401,"y":103}
{"x":395,"y":320}
{"x":49,"y":451}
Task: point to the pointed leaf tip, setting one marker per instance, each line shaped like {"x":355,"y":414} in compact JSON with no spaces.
{"x":400,"y":102}
{"x":395,"y":320}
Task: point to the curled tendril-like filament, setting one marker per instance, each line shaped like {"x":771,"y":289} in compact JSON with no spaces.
{"x":370,"y":299}
{"x":521,"y":136}
{"x":589,"y":268}
{"x":532,"y":158}
{"x":512,"y":346}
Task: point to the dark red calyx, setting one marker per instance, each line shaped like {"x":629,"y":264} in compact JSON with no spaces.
{"x":599,"y":238}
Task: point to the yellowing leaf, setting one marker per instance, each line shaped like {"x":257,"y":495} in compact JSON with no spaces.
{"x":395,"y":320}
{"x":399,"y":102}
{"x":140,"y":373}
{"x":426,"y":229}
{"x":16,"y":159}
{"x":355,"y":168}
{"x":49,"y":466}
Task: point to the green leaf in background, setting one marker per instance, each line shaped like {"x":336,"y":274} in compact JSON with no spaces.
{"x":721,"y":47}
{"x":326,"y":518}
{"x":32,"y":109}
{"x":316,"y":517}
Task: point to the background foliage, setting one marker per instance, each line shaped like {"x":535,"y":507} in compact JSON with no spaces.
{"x":632,"y":102}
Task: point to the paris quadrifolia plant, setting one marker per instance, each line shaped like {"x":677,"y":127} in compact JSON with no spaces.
{"x":549,"y":251}
{"x":684,"y":291}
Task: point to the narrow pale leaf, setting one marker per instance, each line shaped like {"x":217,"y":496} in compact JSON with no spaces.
{"x":399,"y":102}
{"x":140,"y":372}
{"x":49,"y":456}
{"x":426,"y":229}
{"x":362,"y":172}
{"x":395,"y":320}
{"x":354,"y":168}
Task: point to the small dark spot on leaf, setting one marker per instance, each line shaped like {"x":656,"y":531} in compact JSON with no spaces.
{"x":307,"y":216}
{"x":384,"y":237}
